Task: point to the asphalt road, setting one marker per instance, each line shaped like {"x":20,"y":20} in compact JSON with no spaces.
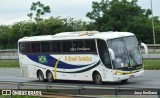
{"x":10,"y":78}
{"x":151,"y":79}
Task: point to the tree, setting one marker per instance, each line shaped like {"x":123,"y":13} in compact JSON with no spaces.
{"x":9,"y":35}
{"x":122,"y":15}
{"x":4,"y":35}
{"x":157,"y":28}
{"x":57,"y":25}
{"x":39,"y":10}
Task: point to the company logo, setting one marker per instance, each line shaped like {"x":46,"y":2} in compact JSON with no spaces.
{"x":19,"y":92}
{"x":42,"y":59}
{"x":6,"y":92}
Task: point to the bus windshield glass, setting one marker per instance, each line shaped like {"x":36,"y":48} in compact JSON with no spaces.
{"x":127,"y":52}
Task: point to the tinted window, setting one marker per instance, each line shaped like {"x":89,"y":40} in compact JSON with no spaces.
{"x":67,"y":46}
{"x":103,"y":53}
{"x":78,"y":46}
{"x":45,"y":47}
{"x":27,"y":48}
{"x":56,"y":46}
{"x":90,"y":45}
{"x":70,"y":46}
{"x":35,"y":47}
{"x":22,"y":47}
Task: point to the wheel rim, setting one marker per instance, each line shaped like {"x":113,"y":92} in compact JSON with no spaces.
{"x":98,"y":79}
{"x":40,"y":76}
{"x":50,"y":77}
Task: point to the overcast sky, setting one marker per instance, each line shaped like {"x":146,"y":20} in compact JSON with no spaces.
{"x":16,"y":10}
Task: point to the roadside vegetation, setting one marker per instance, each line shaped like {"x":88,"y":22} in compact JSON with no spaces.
{"x":9,"y":64}
{"x":106,"y":15}
{"x":148,"y":64}
{"x":152,"y":64}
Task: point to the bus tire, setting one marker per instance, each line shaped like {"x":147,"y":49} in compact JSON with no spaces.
{"x":124,"y":81}
{"x":40,"y":76}
{"x":49,"y":76}
{"x":97,"y":78}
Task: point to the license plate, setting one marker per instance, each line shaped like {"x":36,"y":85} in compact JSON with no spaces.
{"x":131,"y":76}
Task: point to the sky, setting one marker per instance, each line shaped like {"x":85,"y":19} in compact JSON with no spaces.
{"x":12,"y":11}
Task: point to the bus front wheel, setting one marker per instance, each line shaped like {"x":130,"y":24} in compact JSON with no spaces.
{"x":49,"y":76}
{"x":124,"y":81}
{"x":40,"y":76}
{"x":97,"y":78}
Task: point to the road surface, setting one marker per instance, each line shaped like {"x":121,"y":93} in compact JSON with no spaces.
{"x":10,"y":78}
{"x":151,"y":79}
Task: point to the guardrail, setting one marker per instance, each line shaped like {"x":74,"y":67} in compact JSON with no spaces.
{"x":145,"y":56}
{"x":151,"y":56}
{"x":81,"y":89}
{"x":8,"y":51}
{"x":15,"y":50}
{"x":153,"y":45}
{"x":13,"y":53}
{"x":9,"y":54}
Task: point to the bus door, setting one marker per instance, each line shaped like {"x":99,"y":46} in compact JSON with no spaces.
{"x":105,"y":57}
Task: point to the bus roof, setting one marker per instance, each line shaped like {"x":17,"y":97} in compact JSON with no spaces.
{"x":78,"y":35}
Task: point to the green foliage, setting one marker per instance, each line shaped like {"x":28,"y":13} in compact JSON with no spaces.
{"x":56,"y":25}
{"x":4,"y":35}
{"x":114,"y":15}
{"x":9,"y":63}
{"x":9,"y":35}
{"x":122,"y":15}
{"x":157,"y":29}
{"x":148,"y":64}
{"x":39,"y":10}
{"x":152,"y":64}
{"x":19,"y":30}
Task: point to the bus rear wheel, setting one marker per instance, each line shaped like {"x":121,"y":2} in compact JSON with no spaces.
{"x":40,"y":76}
{"x":49,"y":76}
{"x":97,"y":78}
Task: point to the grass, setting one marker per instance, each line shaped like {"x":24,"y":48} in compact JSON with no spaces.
{"x":148,"y":64}
{"x":152,"y":64}
{"x":9,"y":63}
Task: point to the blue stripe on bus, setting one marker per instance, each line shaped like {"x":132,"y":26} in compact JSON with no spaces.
{"x":51,"y":62}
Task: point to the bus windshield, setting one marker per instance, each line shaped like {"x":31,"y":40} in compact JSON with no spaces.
{"x":127,"y":52}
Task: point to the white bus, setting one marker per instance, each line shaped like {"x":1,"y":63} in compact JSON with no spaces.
{"x":85,"y":56}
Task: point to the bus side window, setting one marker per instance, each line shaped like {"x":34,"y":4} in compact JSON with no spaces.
{"x":104,"y":53}
{"x":90,"y":46}
{"x":35,"y":47}
{"x":67,"y":45}
{"x":56,"y":47}
{"x":45,"y":47}
{"x":78,"y":46}
{"x":22,"y":47}
{"x":27,"y":47}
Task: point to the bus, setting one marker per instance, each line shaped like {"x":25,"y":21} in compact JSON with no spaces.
{"x":82,"y":55}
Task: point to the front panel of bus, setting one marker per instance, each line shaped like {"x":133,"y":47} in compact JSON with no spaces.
{"x":128,"y":59}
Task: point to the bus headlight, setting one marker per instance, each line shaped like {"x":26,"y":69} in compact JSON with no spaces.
{"x":118,"y":73}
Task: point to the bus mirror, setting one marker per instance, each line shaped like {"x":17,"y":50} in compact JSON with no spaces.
{"x":112,"y":54}
{"x":139,"y":43}
{"x":145,"y":47}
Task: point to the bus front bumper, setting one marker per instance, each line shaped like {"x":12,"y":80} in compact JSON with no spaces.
{"x":122,"y":75}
